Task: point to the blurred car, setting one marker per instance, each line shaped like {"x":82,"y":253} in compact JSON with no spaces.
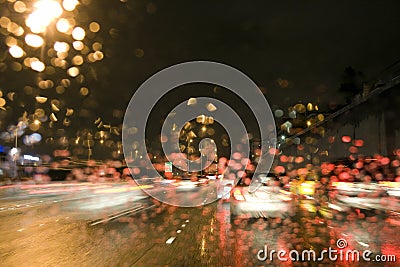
{"x":304,"y":187}
{"x":186,"y":185}
{"x":189,"y":185}
{"x":266,"y":201}
{"x":365,"y":198}
{"x":392,"y":188}
{"x":307,"y":188}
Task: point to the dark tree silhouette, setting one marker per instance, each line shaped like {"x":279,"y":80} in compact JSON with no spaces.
{"x":352,"y":83}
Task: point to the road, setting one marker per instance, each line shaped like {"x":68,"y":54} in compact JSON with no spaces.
{"x":118,"y":225}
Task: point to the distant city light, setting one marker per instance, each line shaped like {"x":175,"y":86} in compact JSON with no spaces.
{"x":29,"y":157}
{"x":78,"y":33}
{"x":211,"y":107}
{"x":16,"y":51}
{"x":70,"y":5}
{"x":73,"y":71}
{"x":63,"y":25}
{"x":346,"y":139}
{"x":38,"y":65}
{"x":78,"y":45}
{"x":34,"y":40}
{"x":192,"y":101}
{"x":61,"y":46}
{"x":13,"y":151}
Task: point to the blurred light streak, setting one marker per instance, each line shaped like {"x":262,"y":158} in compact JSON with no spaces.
{"x":123,"y":189}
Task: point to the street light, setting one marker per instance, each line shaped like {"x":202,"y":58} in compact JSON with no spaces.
{"x":45,"y":12}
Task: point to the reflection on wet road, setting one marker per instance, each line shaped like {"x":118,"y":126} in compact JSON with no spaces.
{"x":118,"y":225}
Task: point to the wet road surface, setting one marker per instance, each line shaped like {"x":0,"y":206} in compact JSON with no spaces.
{"x":127,"y":228}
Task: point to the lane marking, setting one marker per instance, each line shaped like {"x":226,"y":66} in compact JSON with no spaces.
{"x":131,"y":211}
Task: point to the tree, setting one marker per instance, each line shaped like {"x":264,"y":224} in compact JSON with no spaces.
{"x":352,"y":84}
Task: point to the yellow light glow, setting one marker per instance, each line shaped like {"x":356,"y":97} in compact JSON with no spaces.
{"x":58,"y":62}
{"x":66,"y":122}
{"x":63,"y":25}
{"x":84,"y":91}
{"x":36,"y":122}
{"x":41,"y":99}
{"x":49,"y":83}
{"x":97,"y":46}
{"x":73,"y":72}
{"x":34,"y":40}
{"x":11,"y":41}
{"x":42,"y":84}
{"x":53,"y":117}
{"x":211,"y":107}
{"x":192,"y":101}
{"x":16,"y":51}
{"x":98,"y":55}
{"x":78,"y":45}
{"x":91,"y":58}
{"x":69,"y":112}
{"x":78,"y":33}
{"x":94,"y":27}
{"x":54,"y":107}
{"x":45,"y":12}
{"x":27,"y":61}
{"x":12,"y":27}
{"x":4,"y":21}
{"x":70,"y":5}
{"x":37,"y":65}
{"x":62,"y":55}
{"x":19,"y":7}
{"x":61,"y":46}
{"x":18,"y":31}
{"x":201,"y":119}
{"x":77,"y":60}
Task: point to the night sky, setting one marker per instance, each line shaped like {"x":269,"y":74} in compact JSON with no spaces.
{"x":295,"y":51}
{"x":309,"y":44}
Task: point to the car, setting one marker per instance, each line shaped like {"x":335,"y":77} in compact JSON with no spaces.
{"x":392,"y":188}
{"x":369,"y":199}
{"x":263,"y":201}
{"x":189,"y":185}
{"x":186,"y":185}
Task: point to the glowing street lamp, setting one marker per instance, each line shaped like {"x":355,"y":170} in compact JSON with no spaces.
{"x":45,"y":12}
